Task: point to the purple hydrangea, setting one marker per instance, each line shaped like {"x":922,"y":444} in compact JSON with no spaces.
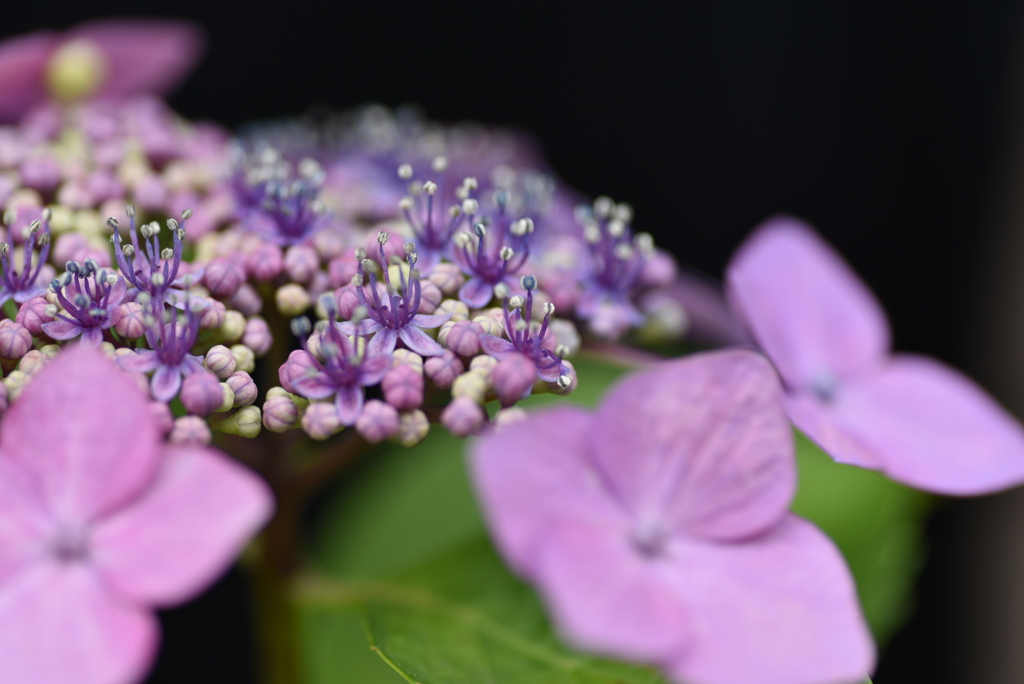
{"x":23,"y":285}
{"x":399,"y":317}
{"x":171,"y":335}
{"x":523,"y":338}
{"x":89,"y":296}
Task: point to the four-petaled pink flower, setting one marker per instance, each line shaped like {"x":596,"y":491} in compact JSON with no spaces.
{"x":915,"y":419}
{"x":657,"y":528}
{"x":100,"y":521}
{"x":130,"y":57}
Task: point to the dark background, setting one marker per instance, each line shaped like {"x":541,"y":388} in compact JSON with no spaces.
{"x":881,"y":124}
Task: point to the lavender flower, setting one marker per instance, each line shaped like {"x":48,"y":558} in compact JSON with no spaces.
{"x":492,"y":254}
{"x":89,"y":296}
{"x":399,"y":318}
{"x":283,"y":210}
{"x":432,"y":226}
{"x":657,"y":528}
{"x":911,"y":417}
{"x":102,"y":522}
{"x":24,"y":285}
{"x":523,"y":338}
{"x":345,"y":371}
{"x":145,"y":265}
{"x":171,"y":336}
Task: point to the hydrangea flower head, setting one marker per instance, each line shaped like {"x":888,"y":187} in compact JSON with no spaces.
{"x":101,"y":521}
{"x":89,"y":296}
{"x":911,"y":417}
{"x":657,"y":529}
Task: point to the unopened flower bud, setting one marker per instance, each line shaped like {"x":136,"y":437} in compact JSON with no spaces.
{"x":233,"y":326}
{"x":448,"y":278}
{"x":245,"y":359}
{"x":32,"y":362}
{"x":242,"y":384}
{"x":490,"y":325}
{"x":403,"y":387}
{"x":246,"y":300}
{"x":201,"y":393}
{"x":292,"y":299}
{"x":463,"y":416}
{"x":456,"y":310}
{"x":191,"y":430}
{"x":407,"y":357}
{"x":248,"y":421}
{"x":257,"y":336}
{"x":470,"y":385}
{"x":15,"y":340}
{"x":301,"y":262}
{"x":222,"y":277}
{"x":413,"y":426}
{"x":513,"y":378}
{"x":464,"y":338}
{"x":265,"y":262}
{"x":220,"y":361}
{"x":212,"y":316}
{"x":320,"y":420}
{"x":33,"y":314}
{"x":377,"y":422}
{"x":279,"y":413}
{"x":442,"y":370}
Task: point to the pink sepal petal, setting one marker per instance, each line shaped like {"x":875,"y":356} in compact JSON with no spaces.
{"x":144,"y":56}
{"x":928,"y":426}
{"x":184,"y":531}
{"x":805,"y":307}
{"x":373,"y":369}
{"x":498,"y":347}
{"x":429,"y":320}
{"x":605,"y":597}
{"x":96,"y":460}
{"x":23,"y":62}
{"x":59,"y":624}
{"x":780,"y":608}
{"x":142,"y":361}
{"x":529,"y":474}
{"x":25,"y":525}
{"x":701,"y":444}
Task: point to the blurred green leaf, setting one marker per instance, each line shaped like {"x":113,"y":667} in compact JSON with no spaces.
{"x":400,"y":538}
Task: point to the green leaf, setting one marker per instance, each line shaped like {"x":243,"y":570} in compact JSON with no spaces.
{"x":462,"y":618}
{"x":400,"y":538}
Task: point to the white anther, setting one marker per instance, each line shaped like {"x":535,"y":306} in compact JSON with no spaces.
{"x":501,"y":291}
{"x":186,"y":215}
{"x":382,"y":237}
{"x":507,"y":253}
{"x":463,"y":240}
{"x":455,"y":211}
{"x":603,"y":206}
{"x":155,"y":227}
{"x":616,"y":228}
{"x":158,"y":279}
{"x":520,"y":325}
{"x":405,"y":204}
{"x":522,"y":227}
{"x":167,"y":253}
{"x":430,"y":187}
{"x":624,"y":212}
{"x":470,"y":206}
{"x":624,"y":251}
{"x":415,"y":187}
{"x":644,"y":243}
{"x":405,"y":171}
{"x":563,"y":381}
{"x":561,"y":350}
{"x":549,"y":309}
{"x":439,"y":164}
{"x":129,"y":252}
{"x":515,"y":302}
{"x":50,"y":310}
{"x":47,"y":214}
{"x":591,"y":233}
{"x":470,"y":183}
{"x":130,"y":210}
{"x":112,"y":223}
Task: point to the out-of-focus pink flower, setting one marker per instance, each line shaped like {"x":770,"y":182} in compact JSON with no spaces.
{"x":657,"y":528}
{"x":108,"y":59}
{"x":913,"y":418}
{"x":101,"y":521}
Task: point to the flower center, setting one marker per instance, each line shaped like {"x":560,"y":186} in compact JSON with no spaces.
{"x":70,"y":546}
{"x":650,"y":539}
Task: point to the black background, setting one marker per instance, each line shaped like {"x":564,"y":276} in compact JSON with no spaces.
{"x":881,"y":124}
